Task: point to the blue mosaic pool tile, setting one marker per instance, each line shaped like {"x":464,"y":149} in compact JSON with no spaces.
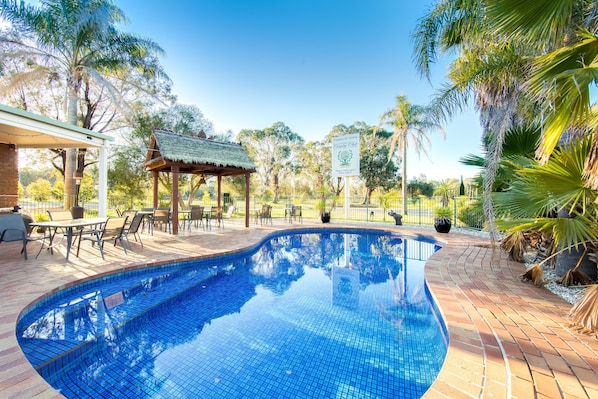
{"x":240,"y":325}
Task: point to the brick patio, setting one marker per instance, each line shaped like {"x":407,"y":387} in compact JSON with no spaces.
{"x":508,"y":339}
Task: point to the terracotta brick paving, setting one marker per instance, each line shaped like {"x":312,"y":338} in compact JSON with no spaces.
{"x":508,"y":339}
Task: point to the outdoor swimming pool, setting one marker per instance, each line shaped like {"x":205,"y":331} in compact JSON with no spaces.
{"x":319,"y":314}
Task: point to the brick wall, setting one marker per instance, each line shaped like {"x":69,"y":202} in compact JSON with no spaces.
{"x":9,"y":176}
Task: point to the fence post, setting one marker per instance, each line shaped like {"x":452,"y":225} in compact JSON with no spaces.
{"x":455,"y":212}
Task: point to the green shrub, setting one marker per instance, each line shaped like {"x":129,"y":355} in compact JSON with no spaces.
{"x":471,"y":216}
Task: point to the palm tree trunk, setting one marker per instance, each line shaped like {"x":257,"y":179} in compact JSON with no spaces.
{"x":591,"y":166}
{"x":70,"y":162}
{"x":404,"y":172}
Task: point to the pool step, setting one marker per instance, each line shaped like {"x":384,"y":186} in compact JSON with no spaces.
{"x":121,"y":310}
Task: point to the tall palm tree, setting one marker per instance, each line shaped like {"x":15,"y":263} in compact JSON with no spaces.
{"x":78,"y":41}
{"x":486,"y":68}
{"x":408,"y":122}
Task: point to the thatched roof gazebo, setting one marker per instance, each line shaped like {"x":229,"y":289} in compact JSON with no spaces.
{"x":174,"y":153}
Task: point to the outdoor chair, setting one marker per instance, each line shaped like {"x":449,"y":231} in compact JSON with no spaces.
{"x":265,"y":213}
{"x":133,"y":229}
{"x":208,"y":212}
{"x":111,"y":231}
{"x":228,"y":214}
{"x":12,"y":228}
{"x":162,"y":218}
{"x":196,"y":217}
{"x":128,"y":213}
{"x":62,"y":215}
{"x":288,"y":212}
{"x":296,"y":214}
{"x":148,"y":220}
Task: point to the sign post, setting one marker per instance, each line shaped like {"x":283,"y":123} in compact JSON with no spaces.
{"x":345,"y":162}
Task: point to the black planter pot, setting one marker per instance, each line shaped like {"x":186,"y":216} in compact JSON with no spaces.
{"x":442,"y":225}
{"x":567,"y":260}
{"x":78,"y":212}
{"x":325,"y":216}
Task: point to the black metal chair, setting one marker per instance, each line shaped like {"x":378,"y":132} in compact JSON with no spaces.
{"x":148,"y":219}
{"x":128,"y":213}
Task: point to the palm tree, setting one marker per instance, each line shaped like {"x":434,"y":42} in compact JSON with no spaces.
{"x":553,"y":200}
{"x":445,"y":189}
{"x":486,"y":68}
{"x":408,"y":122}
{"x":563,"y":76}
{"x":78,"y":41}
{"x":518,"y":150}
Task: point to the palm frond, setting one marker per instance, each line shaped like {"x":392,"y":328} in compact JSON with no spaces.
{"x":447,"y":25}
{"x":584,"y":315}
{"x":574,"y":277}
{"x":514,"y":244}
{"x":535,"y":275}
{"x":563,"y":78}
{"x":546,"y":21}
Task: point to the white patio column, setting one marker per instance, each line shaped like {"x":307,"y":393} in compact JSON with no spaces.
{"x":103,"y":181}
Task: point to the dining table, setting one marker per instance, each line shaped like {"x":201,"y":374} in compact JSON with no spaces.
{"x":69,"y":226}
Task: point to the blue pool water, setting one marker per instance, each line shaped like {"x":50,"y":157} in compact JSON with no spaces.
{"x":341,"y":314}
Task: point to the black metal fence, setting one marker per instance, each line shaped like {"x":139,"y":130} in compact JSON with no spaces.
{"x":466,"y":212}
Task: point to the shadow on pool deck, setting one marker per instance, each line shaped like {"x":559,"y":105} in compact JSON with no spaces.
{"x":508,"y":339}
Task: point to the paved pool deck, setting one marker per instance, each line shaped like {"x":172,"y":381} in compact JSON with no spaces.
{"x":508,"y":339}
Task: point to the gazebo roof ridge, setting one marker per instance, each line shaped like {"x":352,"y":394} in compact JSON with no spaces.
{"x":199,"y":136}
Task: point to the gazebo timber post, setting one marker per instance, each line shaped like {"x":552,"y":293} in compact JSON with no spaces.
{"x":247,"y":176}
{"x":155,"y":176}
{"x":175,"y":200}
{"x":219,"y":207}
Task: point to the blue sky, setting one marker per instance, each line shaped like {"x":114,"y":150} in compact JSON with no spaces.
{"x":311,"y":64}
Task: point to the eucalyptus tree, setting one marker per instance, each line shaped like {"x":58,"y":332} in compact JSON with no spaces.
{"x":377,"y":171}
{"x":126,"y":174}
{"x":409,"y":123}
{"x":274,"y":151}
{"x":315,"y":158}
{"x":79,"y":43}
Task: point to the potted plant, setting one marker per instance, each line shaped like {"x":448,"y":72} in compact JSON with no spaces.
{"x":324,"y":214}
{"x":442,"y":219}
{"x":41,"y":217}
